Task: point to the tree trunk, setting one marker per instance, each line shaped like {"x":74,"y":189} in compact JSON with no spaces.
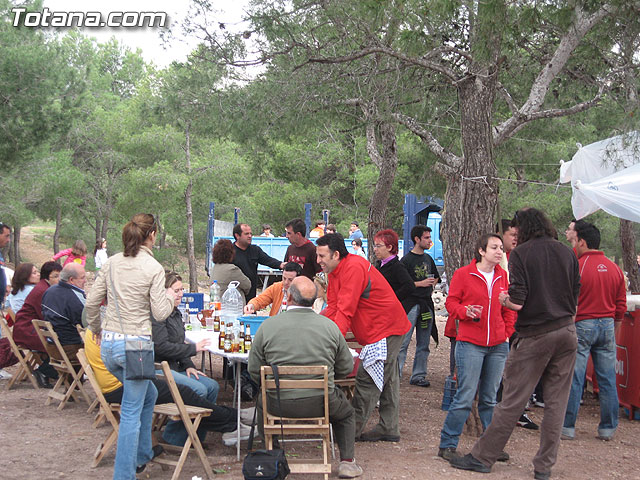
{"x":628,"y":242}
{"x":105,"y":227}
{"x":472,"y":193}
{"x":56,"y":233}
{"x":193,"y":272}
{"x":14,"y":250}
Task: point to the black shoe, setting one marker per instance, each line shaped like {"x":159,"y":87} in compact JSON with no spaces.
{"x":503,"y":457}
{"x":468,"y":462}
{"x":448,"y":453}
{"x":423,"y":382}
{"x":157,"y":450}
{"x":526,"y":422}
{"x":42,"y":379}
{"x":376,"y":436}
{"x":541,"y":475}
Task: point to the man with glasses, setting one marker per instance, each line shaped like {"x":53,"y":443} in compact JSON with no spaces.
{"x":424,"y":274}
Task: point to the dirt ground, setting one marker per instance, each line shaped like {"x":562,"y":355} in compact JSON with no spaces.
{"x":40,"y":442}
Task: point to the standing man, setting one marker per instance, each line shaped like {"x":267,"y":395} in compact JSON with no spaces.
{"x":361,"y":300}
{"x":603,"y":297}
{"x":5,"y":236}
{"x":354,"y":231}
{"x":248,"y":256}
{"x":570,"y":234}
{"x":301,"y":251}
{"x":544,"y":288}
{"x":300,"y":336}
{"x":424,"y":274}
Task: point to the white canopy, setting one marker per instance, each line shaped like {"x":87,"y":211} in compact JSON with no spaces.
{"x":606,"y":175}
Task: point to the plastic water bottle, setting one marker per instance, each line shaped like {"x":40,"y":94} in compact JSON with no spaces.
{"x":214,"y":296}
{"x":232,"y":304}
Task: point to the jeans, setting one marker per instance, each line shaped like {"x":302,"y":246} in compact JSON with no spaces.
{"x":423,"y":335}
{"x":479,"y":370}
{"x":595,"y":336}
{"x":206,"y":387}
{"x":136,"y":411}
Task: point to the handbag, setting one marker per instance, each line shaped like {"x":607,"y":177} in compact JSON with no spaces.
{"x":266,"y":464}
{"x":138,"y":352}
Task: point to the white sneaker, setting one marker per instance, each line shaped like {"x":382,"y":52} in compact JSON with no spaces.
{"x":231,"y":438}
{"x":246,"y":415}
{"x":349,"y":469}
{"x":4,"y":375}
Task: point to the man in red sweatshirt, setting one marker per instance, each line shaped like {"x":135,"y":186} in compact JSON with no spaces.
{"x":362,"y":301}
{"x":602,"y":298}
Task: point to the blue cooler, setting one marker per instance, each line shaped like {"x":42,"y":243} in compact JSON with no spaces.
{"x":254,"y":321}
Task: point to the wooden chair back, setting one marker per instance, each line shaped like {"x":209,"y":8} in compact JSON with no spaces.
{"x":290,"y":378}
{"x":27,"y":359}
{"x":68,"y":378}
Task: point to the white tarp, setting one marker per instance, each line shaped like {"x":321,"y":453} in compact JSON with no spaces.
{"x":606,"y":175}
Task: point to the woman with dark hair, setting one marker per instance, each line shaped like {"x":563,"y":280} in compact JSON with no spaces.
{"x":225,"y":272}
{"x":100,"y":253}
{"x":132,"y":283}
{"x":169,"y":345}
{"x":24,"y":279}
{"x":481,"y":340}
{"x":356,"y":243}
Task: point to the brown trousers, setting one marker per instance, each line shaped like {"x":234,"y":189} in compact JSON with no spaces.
{"x":551,"y":357}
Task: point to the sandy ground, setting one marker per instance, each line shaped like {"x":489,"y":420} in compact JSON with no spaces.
{"x":39,"y":442}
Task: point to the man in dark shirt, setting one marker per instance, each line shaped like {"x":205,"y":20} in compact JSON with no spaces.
{"x":424,"y":274}
{"x":248,"y":256}
{"x":301,"y":251}
{"x":544,"y":288}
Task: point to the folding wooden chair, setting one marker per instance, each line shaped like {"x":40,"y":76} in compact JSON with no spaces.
{"x":68,"y":379}
{"x":190,"y":416}
{"x":110,"y":411}
{"x":99,"y":417}
{"x":27,"y":359}
{"x":298,"y":426}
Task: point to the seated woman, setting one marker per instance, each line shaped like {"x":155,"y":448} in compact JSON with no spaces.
{"x":168,"y":340}
{"x":24,"y":279}
{"x":225,"y":272}
{"x":484,"y":326}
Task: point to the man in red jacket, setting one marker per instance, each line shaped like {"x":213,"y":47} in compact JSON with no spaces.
{"x":603,"y":297}
{"x":361,"y":300}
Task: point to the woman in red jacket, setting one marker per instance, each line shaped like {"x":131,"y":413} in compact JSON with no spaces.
{"x":481,"y":340}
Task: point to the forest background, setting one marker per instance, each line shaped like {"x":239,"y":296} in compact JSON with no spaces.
{"x":346,"y":105}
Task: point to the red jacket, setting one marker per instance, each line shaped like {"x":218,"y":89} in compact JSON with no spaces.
{"x":361,"y":300}
{"x":469,"y":287}
{"x":602,"y":292}
{"x":23,"y":332}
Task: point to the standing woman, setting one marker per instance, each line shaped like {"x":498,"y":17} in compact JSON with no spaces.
{"x":132,"y":282}
{"x":484,"y":326}
{"x":100,"y":253}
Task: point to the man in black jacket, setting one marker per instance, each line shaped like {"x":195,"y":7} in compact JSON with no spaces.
{"x":544,"y":288}
{"x":248,"y":256}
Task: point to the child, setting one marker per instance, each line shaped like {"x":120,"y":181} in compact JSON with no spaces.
{"x":100,"y":253}
{"x":76,"y":254}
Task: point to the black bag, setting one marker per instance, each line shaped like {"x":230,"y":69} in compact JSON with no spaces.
{"x":139,"y":360}
{"x":266,"y":464}
{"x":248,"y":388}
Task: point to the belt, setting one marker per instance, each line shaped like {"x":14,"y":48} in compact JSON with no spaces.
{"x":123,"y":336}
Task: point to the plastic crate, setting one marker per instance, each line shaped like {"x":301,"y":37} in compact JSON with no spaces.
{"x":254,"y":321}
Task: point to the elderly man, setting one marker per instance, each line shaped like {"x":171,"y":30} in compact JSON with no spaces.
{"x":544,"y":287}
{"x":300,"y":336}
{"x":62,"y":305}
{"x":276,"y":294}
{"x":301,"y":250}
{"x":361,"y":300}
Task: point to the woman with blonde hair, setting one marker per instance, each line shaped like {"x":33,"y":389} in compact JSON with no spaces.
{"x":132,"y":282}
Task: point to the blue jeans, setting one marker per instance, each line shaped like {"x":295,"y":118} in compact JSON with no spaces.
{"x":479,"y":370}
{"x":423,"y":336}
{"x":595,"y":336}
{"x":136,"y":411}
{"x":205,"y":387}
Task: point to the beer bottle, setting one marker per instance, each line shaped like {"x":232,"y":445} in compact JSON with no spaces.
{"x":241,"y":340}
{"x":221,"y":337}
{"x":247,"y":339}
{"x":216,"y":321}
{"x":228,"y":338}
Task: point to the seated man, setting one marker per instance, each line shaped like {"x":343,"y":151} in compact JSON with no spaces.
{"x":62,"y":305}
{"x":222,"y":419}
{"x":300,"y":336}
{"x":275,"y":295}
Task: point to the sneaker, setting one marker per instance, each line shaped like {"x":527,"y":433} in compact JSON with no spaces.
{"x":4,"y":375}
{"x":503,"y":457}
{"x":469,"y":462}
{"x":246,"y":415}
{"x":526,"y":422}
{"x":448,"y":453}
{"x":606,"y":438}
{"x":157,"y":450}
{"x":566,"y":437}
{"x":231,"y":438}
{"x":375,"y":436}
{"x":539,"y":404}
{"x":349,"y":469}
{"x":421,"y":382}
{"x":541,"y":475}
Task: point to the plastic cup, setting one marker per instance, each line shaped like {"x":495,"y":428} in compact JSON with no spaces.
{"x":477,"y":309}
{"x":195,"y":323}
{"x":209,"y":324}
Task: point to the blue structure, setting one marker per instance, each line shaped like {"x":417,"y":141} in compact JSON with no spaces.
{"x":423,"y":211}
